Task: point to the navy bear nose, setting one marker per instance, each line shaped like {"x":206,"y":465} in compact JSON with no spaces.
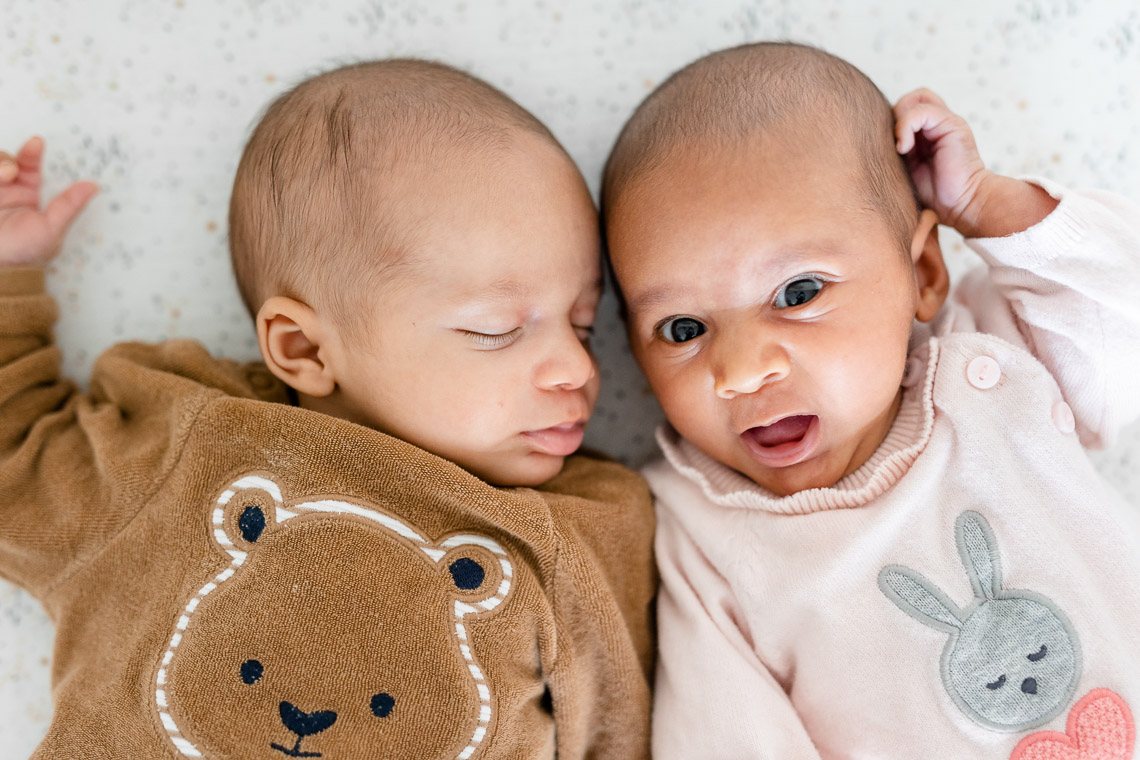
{"x":1029,"y":685}
{"x":303,"y":723}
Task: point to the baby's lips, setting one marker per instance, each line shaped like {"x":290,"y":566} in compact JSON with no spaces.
{"x":560,"y":441}
{"x":786,"y":430}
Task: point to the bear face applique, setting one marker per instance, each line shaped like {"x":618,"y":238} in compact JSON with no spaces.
{"x":337,"y":631}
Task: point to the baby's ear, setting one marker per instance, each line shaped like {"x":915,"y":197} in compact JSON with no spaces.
{"x":930,"y":273}
{"x":293,"y":344}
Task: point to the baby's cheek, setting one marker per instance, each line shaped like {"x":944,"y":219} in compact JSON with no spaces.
{"x":691,"y":409}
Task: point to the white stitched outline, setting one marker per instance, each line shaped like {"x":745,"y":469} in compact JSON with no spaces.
{"x":434,"y":553}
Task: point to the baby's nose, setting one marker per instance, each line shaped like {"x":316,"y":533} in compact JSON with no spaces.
{"x":570,"y":365}
{"x":1029,"y":685}
{"x":745,"y":366}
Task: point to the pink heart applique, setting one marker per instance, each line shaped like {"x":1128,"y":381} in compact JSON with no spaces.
{"x":1099,"y":727}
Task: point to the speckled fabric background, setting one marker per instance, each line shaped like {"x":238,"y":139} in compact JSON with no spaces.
{"x":153,"y":99}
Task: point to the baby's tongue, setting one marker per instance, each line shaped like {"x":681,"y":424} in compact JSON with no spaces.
{"x":786,"y":430}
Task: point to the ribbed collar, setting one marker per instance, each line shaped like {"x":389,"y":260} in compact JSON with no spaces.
{"x":906,"y":439}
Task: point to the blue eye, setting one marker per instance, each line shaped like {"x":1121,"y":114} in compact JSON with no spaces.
{"x":682,"y":330}
{"x":798,"y":291}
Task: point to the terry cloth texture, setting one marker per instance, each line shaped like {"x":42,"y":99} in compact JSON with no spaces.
{"x":234,"y":577}
{"x":972,"y":590}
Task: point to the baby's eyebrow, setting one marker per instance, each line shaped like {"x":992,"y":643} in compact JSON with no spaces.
{"x":654,"y":297}
{"x":789,"y":256}
{"x":505,"y":289}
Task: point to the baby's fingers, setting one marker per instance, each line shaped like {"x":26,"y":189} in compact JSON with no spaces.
{"x":9,"y":170}
{"x":24,"y":167}
{"x":63,"y":209}
{"x":918,"y":97}
{"x":934,"y":120}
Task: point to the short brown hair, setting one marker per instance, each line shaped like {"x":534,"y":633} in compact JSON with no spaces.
{"x":309,"y":216}
{"x":733,"y":95}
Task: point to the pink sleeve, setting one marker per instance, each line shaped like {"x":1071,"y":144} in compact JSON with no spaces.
{"x":1068,"y":290}
{"x":714,"y":698}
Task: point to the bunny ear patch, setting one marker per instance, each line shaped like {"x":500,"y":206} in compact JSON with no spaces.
{"x":978,"y":549}
{"x":918,"y":597}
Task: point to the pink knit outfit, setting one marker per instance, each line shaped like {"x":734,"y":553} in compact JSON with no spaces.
{"x":971,"y":590}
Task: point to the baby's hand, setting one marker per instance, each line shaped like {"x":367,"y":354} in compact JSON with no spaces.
{"x":951,"y":178}
{"x":29,"y":236}
{"x":941,"y":155}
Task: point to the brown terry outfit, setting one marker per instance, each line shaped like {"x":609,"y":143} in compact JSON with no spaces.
{"x":234,"y":577}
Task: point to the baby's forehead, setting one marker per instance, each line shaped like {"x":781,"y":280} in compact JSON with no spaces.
{"x":482,"y":223}
{"x":321,"y":177}
{"x":775,"y":92}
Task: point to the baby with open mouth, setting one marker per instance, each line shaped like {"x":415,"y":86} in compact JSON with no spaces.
{"x":844,"y":441}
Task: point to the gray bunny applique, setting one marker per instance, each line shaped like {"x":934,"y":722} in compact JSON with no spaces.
{"x":1013,"y":660}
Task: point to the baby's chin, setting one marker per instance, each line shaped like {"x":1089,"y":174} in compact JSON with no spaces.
{"x":527,"y":470}
{"x":786,"y":481}
{"x":823,"y":470}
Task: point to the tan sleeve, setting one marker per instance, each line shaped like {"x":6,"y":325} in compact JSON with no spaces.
{"x":605,"y":582}
{"x":74,"y":467}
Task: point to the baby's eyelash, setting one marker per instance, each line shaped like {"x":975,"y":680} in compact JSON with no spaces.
{"x":492,"y":340}
{"x":819,"y":279}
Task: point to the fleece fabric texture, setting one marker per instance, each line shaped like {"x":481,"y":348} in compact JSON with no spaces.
{"x":232,"y":576}
{"x":972,"y":590}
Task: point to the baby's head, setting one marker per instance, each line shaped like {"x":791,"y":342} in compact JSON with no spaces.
{"x":422,"y":257}
{"x":772,"y":258}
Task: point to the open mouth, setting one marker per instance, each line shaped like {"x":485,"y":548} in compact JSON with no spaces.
{"x":786,"y":441}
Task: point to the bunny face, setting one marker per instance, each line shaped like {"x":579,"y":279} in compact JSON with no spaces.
{"x":1012,"y":664}
{"x":1012,"y":661}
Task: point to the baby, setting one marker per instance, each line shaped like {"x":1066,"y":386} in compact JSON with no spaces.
{"x":376,"y":544}
{"x":879,"y":533}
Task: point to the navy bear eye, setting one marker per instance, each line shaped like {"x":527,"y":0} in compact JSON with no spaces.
{"x":996,"y":684}
{"x":467,"y":573}
{"x":251,"y":523}
{"x":1039,"y":654}
{"x":251,"y":671}
{"x":382,"y":704}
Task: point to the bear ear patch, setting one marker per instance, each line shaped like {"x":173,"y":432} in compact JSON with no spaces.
{"x":472,"y":572}
{"x":251,"y":523}
{"x":467,"y":573}
{"x":246,"y":519}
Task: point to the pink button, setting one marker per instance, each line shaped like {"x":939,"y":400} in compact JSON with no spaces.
{"x":1063,"y":417}
{"x":983,"y":372}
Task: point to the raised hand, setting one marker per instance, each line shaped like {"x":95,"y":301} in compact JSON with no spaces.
{"x":951,"y":177}
{"x":940,"y":153}
{"x":30,"y":236}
